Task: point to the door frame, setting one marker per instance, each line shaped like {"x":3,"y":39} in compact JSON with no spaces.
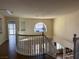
{"x":16,"y":20}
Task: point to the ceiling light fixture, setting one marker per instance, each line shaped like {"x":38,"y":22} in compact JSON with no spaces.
{"x":8,"y":11}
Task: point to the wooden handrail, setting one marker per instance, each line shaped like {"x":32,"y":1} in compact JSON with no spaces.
{"x":28,"y":35}
{"x":39,"y":36}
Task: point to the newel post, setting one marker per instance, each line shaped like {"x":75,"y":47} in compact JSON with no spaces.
{"x":74,"y":41}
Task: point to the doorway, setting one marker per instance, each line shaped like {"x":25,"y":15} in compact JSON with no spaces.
{"x":12,"y":38}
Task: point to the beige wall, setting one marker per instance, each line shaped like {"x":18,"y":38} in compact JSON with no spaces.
{"x":29,"y":26}
{"x":30,"y":23}
{"x":64,"y":28}
{"x":2,"y":35}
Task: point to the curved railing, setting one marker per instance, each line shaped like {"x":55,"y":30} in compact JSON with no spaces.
{"x":35,"y":45}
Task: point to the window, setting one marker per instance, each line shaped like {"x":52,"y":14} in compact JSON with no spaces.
{"x":40,"y":27}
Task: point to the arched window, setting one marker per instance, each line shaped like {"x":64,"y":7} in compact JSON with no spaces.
{"x":40,"y":27}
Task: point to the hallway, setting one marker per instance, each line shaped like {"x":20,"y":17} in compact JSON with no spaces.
{"x":8,"y":48}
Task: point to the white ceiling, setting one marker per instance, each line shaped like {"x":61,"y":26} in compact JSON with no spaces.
{"x":40,"y":8}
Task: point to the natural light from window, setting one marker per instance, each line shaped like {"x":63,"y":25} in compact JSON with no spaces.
{"x":40,"y":27}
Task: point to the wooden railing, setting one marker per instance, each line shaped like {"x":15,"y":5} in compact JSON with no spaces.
{"x":75,"y":54}
{"x":76,"y":47}
{"x":35,"y":45}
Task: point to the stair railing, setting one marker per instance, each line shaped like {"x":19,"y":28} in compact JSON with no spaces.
{"x":76,"y":46}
